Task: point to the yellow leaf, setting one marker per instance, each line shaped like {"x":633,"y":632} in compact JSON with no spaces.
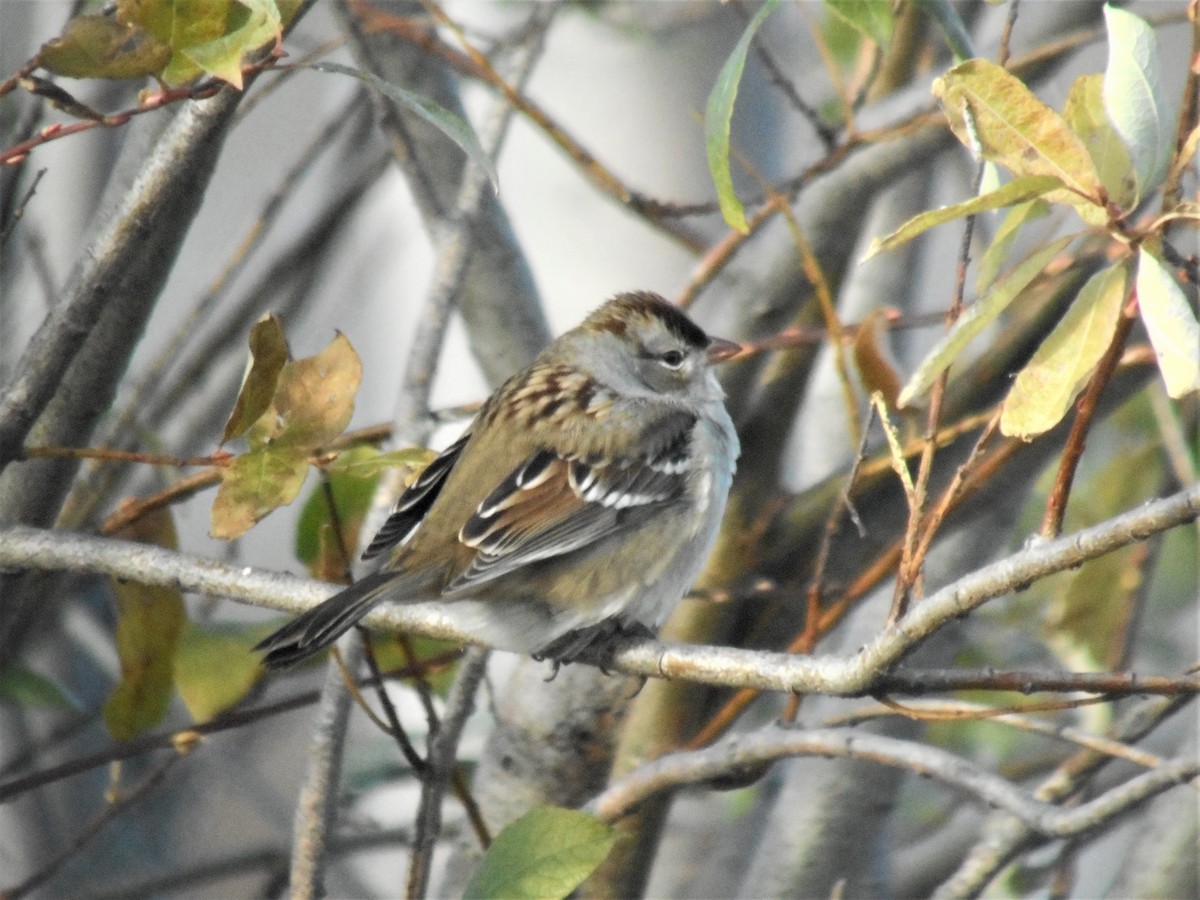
{"x":1044,"y":390}
{"x":315,"y":397}
{"x":214,"y":669}
{"x":101,"y":47}
{"x":268,"y":354}
{"x":1084,"y":112}
{"x":996,"y":115}
{"x":255,"y":484}
{"x":149,"y":620}
{"x":1174,"y":331}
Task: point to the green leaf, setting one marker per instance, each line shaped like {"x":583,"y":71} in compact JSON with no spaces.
{"x":179,"y":24}
{"x":391,"y":655}
{"x":1022,"y":189}
{"x":994,"y":114}
{"x":438,"y":116}
{"x":976,"y":318}
{"x":373,"y":462}
{"x":1133,"y":98}
{"x":268,"y":354}
{"x":1044,"y":390}
{"x":1085,"y":113}
{"x":873,"y":19}
{"x":25,"y":688}
{"x":149,"y":621}
{"x":102,"y":47}
{"x":993,"y":257}
{"x":312,"y":404}
{"x":222,"y":56}
{"x":718,"y":115}
{"x":254,"y":485}
{"x":546,"y":853}
{"x":1174,"y":331}
{"x":215,"y":669}
{"x":954,"y":30}
{"x":352,"y":492}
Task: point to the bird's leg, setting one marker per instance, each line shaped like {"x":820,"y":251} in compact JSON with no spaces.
{"x":593,"y":644}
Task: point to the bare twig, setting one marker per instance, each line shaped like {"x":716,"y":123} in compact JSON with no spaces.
{"x":94,"y":827}
{"x":742,"y":752}
{"x":443,"y":750}
{"x":1056,"y":503}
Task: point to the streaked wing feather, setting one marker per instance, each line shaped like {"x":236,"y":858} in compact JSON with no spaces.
{"x":551,"y":505}
{"x":414,"y":503}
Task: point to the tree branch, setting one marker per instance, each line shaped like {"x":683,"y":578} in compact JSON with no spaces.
{"x":728,"y":666}
{"x":745,"y":752}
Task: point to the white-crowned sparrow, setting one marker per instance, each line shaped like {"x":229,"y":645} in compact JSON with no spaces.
{"x":581,"y":501}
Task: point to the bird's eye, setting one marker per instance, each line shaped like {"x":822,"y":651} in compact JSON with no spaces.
{"x":672,"y":359}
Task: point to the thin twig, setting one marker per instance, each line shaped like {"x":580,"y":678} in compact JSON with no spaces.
{"x":443,"y":750}
{"x":911,"y":561}
{"x":1056,"y":503}
{"x":94,"y":826}
{"x":19,"y":210}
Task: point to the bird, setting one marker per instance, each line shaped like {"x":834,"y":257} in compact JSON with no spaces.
{"x":577,"y":508}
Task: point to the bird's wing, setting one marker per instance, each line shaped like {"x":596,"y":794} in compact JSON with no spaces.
{"x":415,"y":502}
{"x":555,"y":503}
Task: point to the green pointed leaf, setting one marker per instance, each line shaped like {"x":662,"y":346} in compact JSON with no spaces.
{"x":180,"y":24}
{"x":223,"y":55}
{"x":102,"y":47}
{"x":546,"y":853}
{"x":268,"y":355}
{"x":391,"y":655}
{"x":718,"y":115}
{"x":994,"y":114}
{"x":1045,"y":389}
{"x":1085,"y":113}
{"x":254,"y":485}
{"x":25,"y":688}
{"x":313,"y":403}
{"x":1174,"y":331}
{"x":1134,"y":100}
{"x":1021,"y":189}
{"x":438,"y":116}
{"x":149,"y":621}
{"x":954,"y":30}
{"x":997,"y":252}
{"x":352,"y":492}
{"x":215,"y":669}
{"x":873,"y":19}
{"x":976,"y":318}
{"x":373,"y":462}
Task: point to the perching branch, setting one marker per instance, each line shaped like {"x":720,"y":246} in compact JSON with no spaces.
{"x":728,"y":666}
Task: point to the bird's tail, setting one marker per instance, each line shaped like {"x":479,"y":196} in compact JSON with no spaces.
{"x":318,"y":628}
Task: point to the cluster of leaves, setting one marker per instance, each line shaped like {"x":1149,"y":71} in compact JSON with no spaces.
{"x":289,"y":412}
{"x":175,"y":41}
{"x":1103,"y":157}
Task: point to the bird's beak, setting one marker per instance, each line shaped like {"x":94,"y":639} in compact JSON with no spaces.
{"x":721,"y":350}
